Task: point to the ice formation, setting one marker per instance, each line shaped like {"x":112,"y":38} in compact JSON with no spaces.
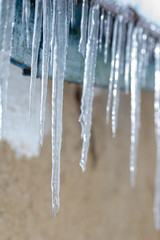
{"x":88,"y":82}
{"x":107,"y":32}
{"x":117,"y":69}
{"x":157,"y":133}
{"x":35,"y":50}
{"x":59,"y":65}
{"x":26,"y":18}
{"x":7,"y":10}
{"x":111,"y":78}
{"x":128,"y":56}
{"x":135,"y":104}
{"x":84,"y":22}
{"x":111,"y":29}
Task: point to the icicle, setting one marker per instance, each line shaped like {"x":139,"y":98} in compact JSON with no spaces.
{"x":73,"y":5}
{"x":111,"y":79}
{"x":135,"y":105}
{"x":7,"y":9}
{"x":144,"y":58}
{"x":150,"y":48}
{"x":122,"y":62}
{"x":157,"y":133}
{"x":47,"y":18}
{"x":35,"y":50}
{"x":107,"y":30}
{"x":128,"y":56}
{"x":148,"y":55}
{"x":140,"y":55}
{"x":26,"y":17}
{"x":59,"y":63}
{"x":101,"y":29}
{"x":84,"y":23}
{"x":88,"y":83}
{"x":53,"y":30}
{"x":116,"y":77}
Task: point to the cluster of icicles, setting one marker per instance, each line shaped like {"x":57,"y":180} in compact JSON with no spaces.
{"x":131,"y":51}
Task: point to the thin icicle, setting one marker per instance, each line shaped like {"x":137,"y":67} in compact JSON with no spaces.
{"x":73,"y":5}
{"x":151,"y":48}
{"x":157,"y":133}
{"x":35,"y":50}
{"x":25,"y":18}
{"x":107,"y":31}
{"x":84,"y":23}
{"x":88,"y":83}
{"x":144,"y":57}
{"x":116,"y":77}
{"x":124,"y":29}
{"x":59,"y":63}
{"x":53,"y":31}
{"x":111,"y":78}
{"x":128,"y":56}
{"x":135,"y":106}
{"x":140,"y":57}
{"x":47,"y":18}
{"x":7,"y":13}
{"x":101,"y":29}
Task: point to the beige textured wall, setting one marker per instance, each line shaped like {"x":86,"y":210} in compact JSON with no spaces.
{"x":98,"y":204}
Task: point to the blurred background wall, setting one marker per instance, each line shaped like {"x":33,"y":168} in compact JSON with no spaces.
{"x":97,"y":204}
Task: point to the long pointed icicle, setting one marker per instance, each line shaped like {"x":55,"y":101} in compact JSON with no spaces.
{"x":107,"y":31}
{"x":7,"y":8}
{"x":84,"y":22}
{"x":25,"y":18}
{"x":59,"y":63}
{"x":135,"y":106}
{"x":35,"y":50}
{"x":47,"y":18}
{"x":128,"y":56}
{"x":111,"y":78}
{"x":117,"y":77}
{"x":88,"y":83}
{"x":101,"y":29}
{"x":157,"y":133}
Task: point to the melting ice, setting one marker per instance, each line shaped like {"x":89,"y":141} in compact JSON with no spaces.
{"x":88,"y":82}
{"x":54,"y":18}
